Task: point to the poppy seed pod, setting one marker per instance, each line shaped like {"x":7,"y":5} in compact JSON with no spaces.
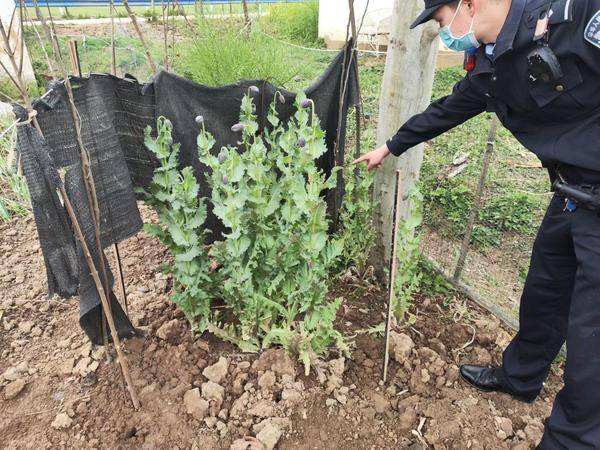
{"x":199,"y":119}
{"x":221,"y":158}
{"x":301,"y":142}
{"x":254,"y":89}
{"x":237,"y":127}
{"x":305,"y":103}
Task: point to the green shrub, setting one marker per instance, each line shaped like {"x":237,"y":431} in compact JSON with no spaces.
{"x":174,"y":196}
{"x":408,"y":257}
{"x":297,"y":22}
{"x":276,"y":258}
{"x":223,"y":53}
{"x":510,"y":211}
{"x":356,"y":214}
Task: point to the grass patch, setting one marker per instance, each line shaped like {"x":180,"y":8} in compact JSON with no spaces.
{"x":223,"y":53}
{"x":297,"y":22}
{"x":14,"y":196}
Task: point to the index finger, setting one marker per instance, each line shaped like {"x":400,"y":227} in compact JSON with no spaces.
{"x":360,"y":159}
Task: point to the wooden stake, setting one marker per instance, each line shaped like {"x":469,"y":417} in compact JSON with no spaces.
{"x":246,"y":16}
{"x":103,"y":299}
{"x":151,"y":62}
{"x":92,"y":199}
{"x":392,"y":277}
{"x":165,"y":33}
{"x":113,"y":53}
{"x":74,"y":56}
{"x":466,"y":242}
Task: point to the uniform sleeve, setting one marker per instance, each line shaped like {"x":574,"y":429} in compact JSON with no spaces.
{"x":442,"y":115}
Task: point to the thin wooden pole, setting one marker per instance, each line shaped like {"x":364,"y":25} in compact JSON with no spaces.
{"x":113,"y":52}
{"x":122,"y":290}
{"x":88,"y":183}
{"x":466,"y":242}
{"x":392,"y":278}
{"x":74,"y":56}
{"x":165,"y":33}
{"x":103,"y":298}
{"x":92,"y":202}
{"x":37,"y":33}
{"x":246,"y":16}
{"x":134,"y":22}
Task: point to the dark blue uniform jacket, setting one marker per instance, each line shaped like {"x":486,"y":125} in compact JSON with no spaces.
{"x":558,"y":121}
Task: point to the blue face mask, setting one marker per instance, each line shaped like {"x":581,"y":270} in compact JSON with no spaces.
{"x":459,"y":44}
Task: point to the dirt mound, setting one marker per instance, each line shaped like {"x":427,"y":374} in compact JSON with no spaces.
{"x":57,"y":391}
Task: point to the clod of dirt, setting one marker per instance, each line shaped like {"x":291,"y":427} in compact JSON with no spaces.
{"x":291,"y":395}
{"x":195,"y":405}
{"x":247,"y":443}
{"x":61,"y":421}
{"x":14,"y":388}
{"x":267,"y":381}
{"x":239,"y":405}
{"x":276,"y":360}
{"x":269,"y":436}
{"x":263,"y":408}
{"x":11,"y":374}
{"x":379,"y":402}
{"x":504,"y":426}
{"x":170,"y":331}
{"x":400,"y":346}
{"x":26,"y":326}
{"x":407,"y":419}
{"x":337,"y":366}
{"x":217,"y":372}
{"x":534,"y":430}
{"x":213,"y":391}
{"x":239,"y":382}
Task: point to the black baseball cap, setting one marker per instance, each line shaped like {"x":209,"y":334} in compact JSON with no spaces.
{"x":431,"y":6}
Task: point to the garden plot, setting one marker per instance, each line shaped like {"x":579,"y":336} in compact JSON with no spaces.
{"x":62,"y":394}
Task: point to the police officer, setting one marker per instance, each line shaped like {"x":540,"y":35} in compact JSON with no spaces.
{"x":536,"y":64}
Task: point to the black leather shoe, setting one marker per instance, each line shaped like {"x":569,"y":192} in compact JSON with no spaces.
{"x":486,"y":379}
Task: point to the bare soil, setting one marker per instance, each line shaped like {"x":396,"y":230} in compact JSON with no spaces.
{"x":57,"y":391}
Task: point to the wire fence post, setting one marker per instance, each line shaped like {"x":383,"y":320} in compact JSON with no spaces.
{"x":464,"y":249}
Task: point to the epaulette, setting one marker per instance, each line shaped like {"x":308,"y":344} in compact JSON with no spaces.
{"x":561,"y":11}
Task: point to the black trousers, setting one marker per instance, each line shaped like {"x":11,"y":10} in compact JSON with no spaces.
{"x":561,"y":302}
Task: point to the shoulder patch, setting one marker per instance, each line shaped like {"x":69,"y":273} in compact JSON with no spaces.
{"x":592,"y":30}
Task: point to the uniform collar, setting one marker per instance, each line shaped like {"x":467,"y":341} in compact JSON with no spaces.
{"x":506,"y":38}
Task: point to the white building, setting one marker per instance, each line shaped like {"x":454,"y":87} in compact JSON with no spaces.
{"x":376,"y":26}
{"x":6,"y":13}
{"x":333,"y":18}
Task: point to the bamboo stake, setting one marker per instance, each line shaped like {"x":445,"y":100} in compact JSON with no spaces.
{"x":392,"y":278}
{"x":151,"y":62}
{"x":466,"y":242}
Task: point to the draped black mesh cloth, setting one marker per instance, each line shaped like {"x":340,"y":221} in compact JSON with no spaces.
{"x":114,"y":113}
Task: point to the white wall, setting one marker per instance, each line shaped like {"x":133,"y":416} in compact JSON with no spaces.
{"x":6,"y":10}
{"x":333,"y":17}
